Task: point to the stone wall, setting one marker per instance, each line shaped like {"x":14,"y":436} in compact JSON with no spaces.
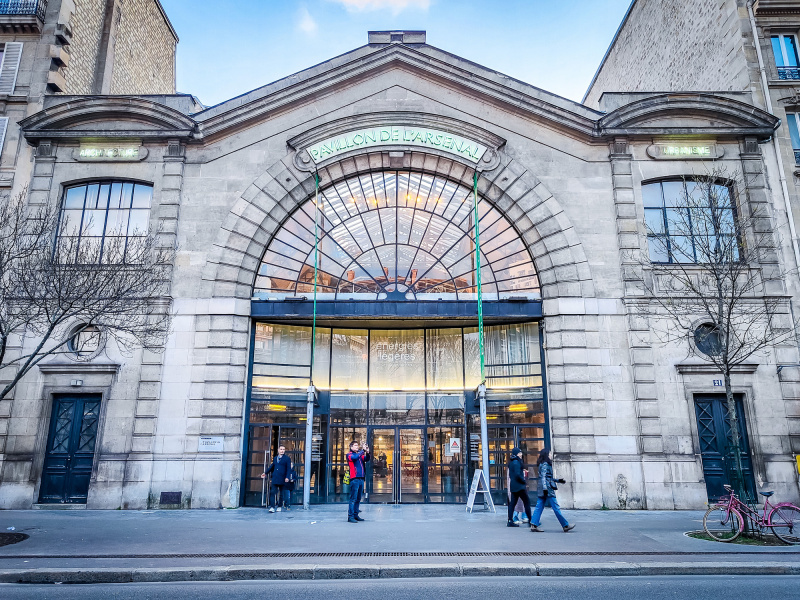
{"x":144,"y":57}
{"x":667,"y":45}
{"x":87,"y":29}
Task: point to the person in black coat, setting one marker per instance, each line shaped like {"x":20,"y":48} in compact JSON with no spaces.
{"x":517,"y":486}
{"x":280,"y":468}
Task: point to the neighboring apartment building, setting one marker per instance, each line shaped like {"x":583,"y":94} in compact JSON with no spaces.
{"x":709,"y":45}
{"x":76,"y":47}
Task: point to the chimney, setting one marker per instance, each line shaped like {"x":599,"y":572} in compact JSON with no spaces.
{"x":396,"y":37}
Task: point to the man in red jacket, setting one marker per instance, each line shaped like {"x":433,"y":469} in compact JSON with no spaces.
{"x":356,"y":460}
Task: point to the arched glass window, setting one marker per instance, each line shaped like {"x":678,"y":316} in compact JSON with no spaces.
{"x":397,"y":235}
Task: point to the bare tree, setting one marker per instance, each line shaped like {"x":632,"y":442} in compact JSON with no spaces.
{"x":61,"y":290}
{"x":713,"y":274}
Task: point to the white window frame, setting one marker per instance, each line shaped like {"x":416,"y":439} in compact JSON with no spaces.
{"x":794,"y":116}
{"x":784,"y":54}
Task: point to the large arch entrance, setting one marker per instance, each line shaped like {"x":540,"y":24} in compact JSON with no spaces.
{"x":396,"y":360}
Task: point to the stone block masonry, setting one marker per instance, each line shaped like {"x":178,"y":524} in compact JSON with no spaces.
{"x":87,"y":29}
{"x":144,"y":52}
{"x":699,"y":43}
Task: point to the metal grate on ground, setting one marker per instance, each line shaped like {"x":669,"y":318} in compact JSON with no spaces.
{"x":382,"y":554}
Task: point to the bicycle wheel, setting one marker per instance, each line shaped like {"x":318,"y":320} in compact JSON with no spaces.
{"x":784,"y":520}
{"x":722,"y":525}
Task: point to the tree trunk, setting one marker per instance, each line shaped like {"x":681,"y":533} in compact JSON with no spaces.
{"x":733,"y":419}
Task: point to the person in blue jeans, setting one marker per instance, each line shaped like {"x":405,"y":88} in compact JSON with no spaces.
{"x":280,"y":469}
{"x":356,"y":461}
{"x":547,"y":493}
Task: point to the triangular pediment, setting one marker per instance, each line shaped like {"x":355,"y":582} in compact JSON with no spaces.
{"x":375,"y":60}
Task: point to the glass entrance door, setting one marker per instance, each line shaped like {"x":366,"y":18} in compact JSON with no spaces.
{"x":398,"y":465}
{"x":262,"y":448}
{"x":382,"y":451}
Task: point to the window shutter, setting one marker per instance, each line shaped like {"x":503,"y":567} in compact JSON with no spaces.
{"x":3,"y":127}
{"x":10,"y":66}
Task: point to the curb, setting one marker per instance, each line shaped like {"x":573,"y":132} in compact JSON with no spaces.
{"x":328,"y":572}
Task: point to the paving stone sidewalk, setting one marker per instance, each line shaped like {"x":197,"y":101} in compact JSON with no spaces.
{"x":207,"y":544}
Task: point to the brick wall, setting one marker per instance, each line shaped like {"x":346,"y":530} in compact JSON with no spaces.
{"x":666,"y":45}
{"x":87,"y":28}
{"x":144,"y":58}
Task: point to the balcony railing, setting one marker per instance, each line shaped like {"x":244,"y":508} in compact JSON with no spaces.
{"x":788,"y":73}
{"x":23,"y":7}
{"x":797,"y":157}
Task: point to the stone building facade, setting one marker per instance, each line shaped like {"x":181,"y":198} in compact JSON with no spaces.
{"x":395,"y":139}
{"x":71,"y":46}
{"x":50,"y":47}
{"x":743,"y":47}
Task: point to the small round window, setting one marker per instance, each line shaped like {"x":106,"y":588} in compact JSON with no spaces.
{"x":85,"y":342}
{"x":708,"y":339}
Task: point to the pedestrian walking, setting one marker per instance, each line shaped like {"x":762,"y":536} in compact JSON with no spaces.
{"x":356,"y":460}
{"x":280,"y":467}
{"x":517,"y":486}
{"x":547,"y":493}
{"x":519,"y":515}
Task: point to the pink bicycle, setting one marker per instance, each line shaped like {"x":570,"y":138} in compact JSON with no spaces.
{"x":724,"y":521}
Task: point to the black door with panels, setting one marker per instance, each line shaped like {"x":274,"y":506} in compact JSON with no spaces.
{"x":70,"y":449}
{"x":714,"y":431}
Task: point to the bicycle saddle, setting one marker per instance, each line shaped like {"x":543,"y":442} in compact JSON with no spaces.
{"x":766,"y":494}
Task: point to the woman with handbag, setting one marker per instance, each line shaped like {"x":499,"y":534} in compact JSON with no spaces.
{"x":547,"y":493}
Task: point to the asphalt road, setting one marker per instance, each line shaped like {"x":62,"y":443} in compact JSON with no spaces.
{"x":484,"y":588}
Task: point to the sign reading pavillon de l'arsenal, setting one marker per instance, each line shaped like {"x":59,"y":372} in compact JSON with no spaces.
{"x":397,"y":135}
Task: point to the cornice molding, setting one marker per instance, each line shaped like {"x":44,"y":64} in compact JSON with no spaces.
{"x":387,"y":58}
{"x":743,"y":119}
{"x":67,"y":367}
{"x":769,"y":8}
{"x":710,"y":369}
{"x":58,"y":122}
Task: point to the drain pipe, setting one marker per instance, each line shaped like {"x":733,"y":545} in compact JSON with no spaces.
{"x":775,"y":142}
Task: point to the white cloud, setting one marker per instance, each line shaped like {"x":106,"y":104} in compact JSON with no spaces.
{"x":307,"y":23}
{"x":396,"y":6}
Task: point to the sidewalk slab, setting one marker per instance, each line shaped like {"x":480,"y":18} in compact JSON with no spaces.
{"x":324,"y":529}
{"x":403,"y":541}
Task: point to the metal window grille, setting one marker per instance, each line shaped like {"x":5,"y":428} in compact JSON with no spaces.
{"x":23,"y":7}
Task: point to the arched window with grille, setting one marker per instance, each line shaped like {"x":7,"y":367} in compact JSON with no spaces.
{"x":397,"y":235}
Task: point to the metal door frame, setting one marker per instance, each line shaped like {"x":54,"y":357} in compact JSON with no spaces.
{"x":274,"y":439}
{"x":397,"y":467}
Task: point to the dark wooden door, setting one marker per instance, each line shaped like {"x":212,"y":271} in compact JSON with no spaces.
{"x":70,"y":449}
{"x":714,"y":430}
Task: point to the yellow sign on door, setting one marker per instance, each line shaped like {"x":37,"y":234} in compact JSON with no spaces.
{"x":797,"y":458}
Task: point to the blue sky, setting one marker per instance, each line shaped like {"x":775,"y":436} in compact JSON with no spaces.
{"x":228,"y":47}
